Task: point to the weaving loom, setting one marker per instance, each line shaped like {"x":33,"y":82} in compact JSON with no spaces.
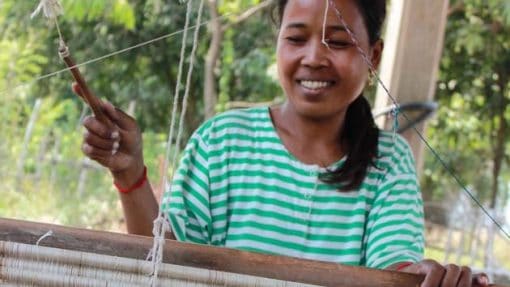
{"x":79,"y":257}
{"x":30,"y":256}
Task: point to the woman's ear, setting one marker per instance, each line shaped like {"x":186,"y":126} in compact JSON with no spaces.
{"x":377,"y":50}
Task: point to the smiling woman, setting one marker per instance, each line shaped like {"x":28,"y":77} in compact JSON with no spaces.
{"x":311,"y":178}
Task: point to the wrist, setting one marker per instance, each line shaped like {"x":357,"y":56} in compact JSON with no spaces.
{"x":127,"y":179}
{"x":403,"y":265}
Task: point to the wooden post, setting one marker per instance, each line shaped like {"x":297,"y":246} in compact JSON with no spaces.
{"x":413,"y":47}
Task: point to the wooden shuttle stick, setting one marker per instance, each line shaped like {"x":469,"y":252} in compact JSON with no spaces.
{"x":86,"y":94}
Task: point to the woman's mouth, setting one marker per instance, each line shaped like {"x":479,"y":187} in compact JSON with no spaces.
{"x":315,"y":85}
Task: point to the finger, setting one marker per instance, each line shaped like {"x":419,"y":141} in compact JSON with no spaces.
{"x":119,"y":117}
{"x":452,"y":276}
{"x":96,"y":141}
{"x":481,"y":280}
{"x":77,"y":90}
{"x":94,"y":126}
{"x":434,"y":274}
{"x":465,"y":277}
{"x":110,"y":110}
{"x":125,"y":121}
{"x":104,"y":157}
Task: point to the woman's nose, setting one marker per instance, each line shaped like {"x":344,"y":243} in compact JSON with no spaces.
{"x":315,"y":54}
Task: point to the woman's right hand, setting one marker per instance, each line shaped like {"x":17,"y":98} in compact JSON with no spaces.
{"x":116,"y":145}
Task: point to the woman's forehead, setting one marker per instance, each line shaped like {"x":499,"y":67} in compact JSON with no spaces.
{"x":305,"y":13}
{"x":306,"y":10}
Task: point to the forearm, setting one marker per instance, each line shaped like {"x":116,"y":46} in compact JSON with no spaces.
{"x":139,"y":204}
{"x":140,"y":209}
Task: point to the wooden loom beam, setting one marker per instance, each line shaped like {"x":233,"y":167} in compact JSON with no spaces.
{"x":206,"y":257}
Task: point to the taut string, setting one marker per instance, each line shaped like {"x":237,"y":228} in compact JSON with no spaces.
{"x":420,"y":135}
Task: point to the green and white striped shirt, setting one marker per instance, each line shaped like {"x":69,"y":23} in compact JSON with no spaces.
{"x":238,"y":186}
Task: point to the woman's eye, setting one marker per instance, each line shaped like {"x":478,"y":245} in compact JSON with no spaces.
{"x":295,"y":40}
{"x":339,"y":43}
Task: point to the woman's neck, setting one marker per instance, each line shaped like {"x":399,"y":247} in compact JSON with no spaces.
{"x":311,"y":140}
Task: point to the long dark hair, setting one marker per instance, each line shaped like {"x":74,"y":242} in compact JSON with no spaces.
{"x":360,"y":134}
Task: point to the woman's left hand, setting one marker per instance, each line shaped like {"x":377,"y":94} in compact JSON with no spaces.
{"x":450,"y":275}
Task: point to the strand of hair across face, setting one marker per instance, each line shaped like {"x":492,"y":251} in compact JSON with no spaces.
{"x":420,"y":135}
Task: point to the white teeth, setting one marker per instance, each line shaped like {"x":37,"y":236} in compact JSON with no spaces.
{"x":314,"y":85}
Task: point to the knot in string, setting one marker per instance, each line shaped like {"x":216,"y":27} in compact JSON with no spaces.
{"x":160,"y":227}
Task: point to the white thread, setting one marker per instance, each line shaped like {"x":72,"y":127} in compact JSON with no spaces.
{"x":188,"y":82}
{"x":62,"y":43}
{"x":161,"y":224}
{"x":63,"y":50}
{"x":160,"y":228}
{"x":324,"y":24}
{"x":169,"y":35}
{"x":46,"y":235}
{"x":176,"y":93}
{"x":50,"y":8}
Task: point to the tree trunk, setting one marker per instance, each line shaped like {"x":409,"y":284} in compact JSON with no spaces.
{"x":500,"y":142}
{"x":210,"y":89}
{"x":213,"y":54}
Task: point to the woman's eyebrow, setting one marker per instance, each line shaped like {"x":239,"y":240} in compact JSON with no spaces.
{"x":295,"y":25}
{"x":332,"y":28}
{"x":338,"y":28}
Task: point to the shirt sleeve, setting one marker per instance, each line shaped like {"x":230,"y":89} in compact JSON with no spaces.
{"x":395,"y":223}
{"x":186,"y":203}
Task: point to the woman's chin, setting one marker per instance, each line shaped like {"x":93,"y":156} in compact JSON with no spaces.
{"x":315,"y":112}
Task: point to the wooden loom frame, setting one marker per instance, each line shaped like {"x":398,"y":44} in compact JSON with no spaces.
{"x":205,"y":257}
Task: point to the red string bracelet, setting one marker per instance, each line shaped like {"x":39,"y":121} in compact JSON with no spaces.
{"x":141,"y":181}
{"x":403,"y":265}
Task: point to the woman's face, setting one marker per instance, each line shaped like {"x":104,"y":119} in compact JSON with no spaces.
{"x":321,"y":81}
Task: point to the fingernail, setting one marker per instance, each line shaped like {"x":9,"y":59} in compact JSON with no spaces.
{"x":115,"y":135}
{"x":87,"y":148}
{"x":116,"y":145}
{"x":114,"y":151}
{"x":483,"y":280}
{"x":106,"y":102}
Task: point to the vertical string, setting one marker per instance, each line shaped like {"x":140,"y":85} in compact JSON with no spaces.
{"x":188,"y":81}
{"x":177,"y":91}
{"x":161,"y":224}
{"x":60,"y":37}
